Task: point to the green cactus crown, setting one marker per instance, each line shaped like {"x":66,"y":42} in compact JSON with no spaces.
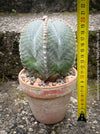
{"x":47,"y":48}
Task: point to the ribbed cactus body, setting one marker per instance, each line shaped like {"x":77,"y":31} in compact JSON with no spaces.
{"x":47,"y":48}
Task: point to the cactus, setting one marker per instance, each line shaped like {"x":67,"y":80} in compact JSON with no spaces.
{"x":47,"y":48}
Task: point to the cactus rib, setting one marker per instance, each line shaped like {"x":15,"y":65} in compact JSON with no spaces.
{"x":45,"y":43}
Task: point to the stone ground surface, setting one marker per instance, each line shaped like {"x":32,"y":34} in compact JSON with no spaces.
{"x":16,"y":116}
{"x":9,"y":22}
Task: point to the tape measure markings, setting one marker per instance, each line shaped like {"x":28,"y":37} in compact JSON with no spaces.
{"x":82,"y":55}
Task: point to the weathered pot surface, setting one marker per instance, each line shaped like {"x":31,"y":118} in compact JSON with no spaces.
{"x":49,"y":104}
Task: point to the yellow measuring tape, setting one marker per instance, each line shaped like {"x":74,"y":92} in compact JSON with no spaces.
{"x":82,"y":56}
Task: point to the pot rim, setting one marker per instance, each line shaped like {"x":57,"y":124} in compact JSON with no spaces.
{"x":42,"y":87}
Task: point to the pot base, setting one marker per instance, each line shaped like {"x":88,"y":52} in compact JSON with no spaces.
{"x":49,"y":111}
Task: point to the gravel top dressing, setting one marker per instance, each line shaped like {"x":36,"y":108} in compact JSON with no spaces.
{"x":38,"y":82}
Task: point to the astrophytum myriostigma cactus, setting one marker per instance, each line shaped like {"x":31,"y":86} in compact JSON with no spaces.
{"x":47,"y":48}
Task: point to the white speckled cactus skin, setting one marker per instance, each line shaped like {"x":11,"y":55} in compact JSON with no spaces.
{"x":47,"y":48}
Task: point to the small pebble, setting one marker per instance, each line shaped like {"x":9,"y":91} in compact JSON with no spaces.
{"x":73,"y":100}
{"x":28,"y":82}
{"x":97,"y":132}
{"x":58,"y":80}
{"x":22,"y":76}
{"x":40,"y":84}
{"x":68,"y":119}
{"x":32,"y":79}
{"x":53,"y":84}
{"x":95,"y":122}
{"x":27,"y":74}
{"x":53,"y":132}
{"x":69,"y":125}
{"x":23,"y":118}
{"x":61,"y":123}
{"x":73,"y":116}
{"x":35,"y":122}
{"x":21,"y":126}
{"x":32,"y":119}
{"x":38,"y":81}
{"x":30,"y":129}
{"x":93,"y":127}
{"x":31,"y":82}
{"x":14,"y":132}
{"x":50,"y":83}
{"x":23,"y":112}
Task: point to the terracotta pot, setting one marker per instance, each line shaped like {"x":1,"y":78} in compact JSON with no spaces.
{"x":49,"y":104}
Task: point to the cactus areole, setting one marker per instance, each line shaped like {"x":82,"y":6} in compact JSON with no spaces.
{"x":47,"y":48}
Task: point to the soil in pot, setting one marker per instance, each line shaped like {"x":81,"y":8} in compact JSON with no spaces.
{"x":27,"y":78}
